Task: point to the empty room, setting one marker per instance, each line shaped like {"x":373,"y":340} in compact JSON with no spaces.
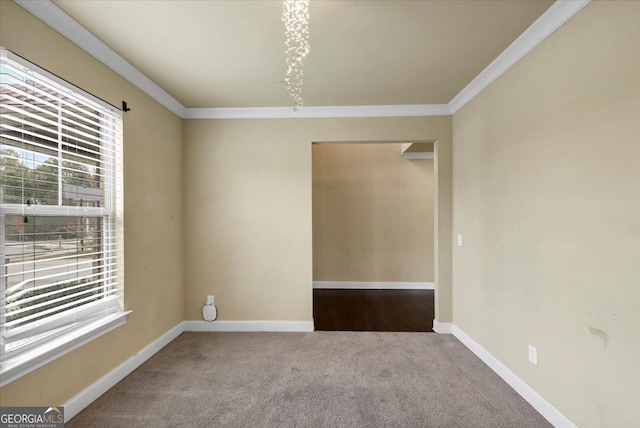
{"x":184,"y":213}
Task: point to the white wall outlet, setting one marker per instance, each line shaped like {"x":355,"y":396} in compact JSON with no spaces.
{"x":533,"y":355}
{"x":459,"y":240}
{"x":209,"y":311}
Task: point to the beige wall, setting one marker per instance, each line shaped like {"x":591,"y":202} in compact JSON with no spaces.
{"x":248,"y":229}
{"x":443,"y":219}
{"x":153,"y":215}
{"x":247,"y":189}
{"x":372,"y":214}
{"x":546,"y":194}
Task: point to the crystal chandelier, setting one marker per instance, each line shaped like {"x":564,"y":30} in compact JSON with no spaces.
{"x":295,"y":16}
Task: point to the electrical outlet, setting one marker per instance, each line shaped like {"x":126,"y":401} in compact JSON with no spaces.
{"x":533,"y":355}
{"x":209,"y":300}
{"x":459,"y":240}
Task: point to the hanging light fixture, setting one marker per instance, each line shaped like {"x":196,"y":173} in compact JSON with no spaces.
{"x":295,"y":16}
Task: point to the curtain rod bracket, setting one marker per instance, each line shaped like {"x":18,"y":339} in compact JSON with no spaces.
{"x":124,"y":107}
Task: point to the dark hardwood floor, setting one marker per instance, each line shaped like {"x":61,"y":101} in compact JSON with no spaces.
{"x":373,"y":310}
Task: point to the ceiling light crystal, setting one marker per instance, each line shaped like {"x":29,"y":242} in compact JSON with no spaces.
{"x":295,"y":16}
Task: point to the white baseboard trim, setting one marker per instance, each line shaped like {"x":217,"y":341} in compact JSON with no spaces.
{"x":442,"y":327}
{"x":365,"y":285}
{"x":550,"y":413}
{"x":292,"y":326}
{"x":76,"y":404}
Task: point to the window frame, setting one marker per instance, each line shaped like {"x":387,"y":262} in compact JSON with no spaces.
{"x":110,"y":313}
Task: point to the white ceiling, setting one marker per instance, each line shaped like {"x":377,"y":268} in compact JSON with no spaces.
{"x":231,"y":53}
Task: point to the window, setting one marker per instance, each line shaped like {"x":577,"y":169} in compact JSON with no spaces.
{"x":61,"y":260}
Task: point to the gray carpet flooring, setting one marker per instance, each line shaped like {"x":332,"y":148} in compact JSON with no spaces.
{"x":320,"y":379}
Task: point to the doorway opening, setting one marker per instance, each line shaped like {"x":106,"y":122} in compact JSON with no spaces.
{"x":373,"y":236}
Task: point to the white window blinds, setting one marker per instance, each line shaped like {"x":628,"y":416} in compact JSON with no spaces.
{"x":61,"y":200}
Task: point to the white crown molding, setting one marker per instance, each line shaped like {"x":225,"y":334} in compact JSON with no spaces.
{"x":317,"y":112}
{"x":57,"y":19}
{"x":537,"y":401}
{"x":363,"y":285}
{"x":558,"y":14}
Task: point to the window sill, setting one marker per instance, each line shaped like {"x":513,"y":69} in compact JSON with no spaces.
{"x":18,"y":366}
